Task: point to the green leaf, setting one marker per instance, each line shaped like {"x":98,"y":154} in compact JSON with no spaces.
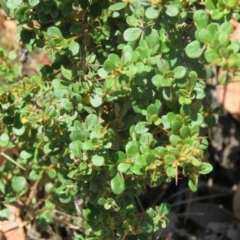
{"x":88,"y":214}
{"x":114,"y":58}
{"x":68,"y":105}
{"x":204,"y":144}
{"x":96,"y":100}
{"x":164,"y":209}
{"x":66,"y":73}
{"x":34,"y":175}
{"x":2,"y":187}
{"x":169,"y":158}
{"x":195,"y":162}
{"x":75,"y":148}
{"x":127,"y":57}
{"x":51,"y":173}
{"x":172,"y":10}
{"x":102,"y":73}
{"x":74,"y":47}
{"x":163,"y":65}
{"x":226,"y":27}
{"x":184,"y":111}
{"x":8,"y":120}
{"x":117,"y":184}
{"x":185,"y":132}
{"x":140,"y":67}
{"x":132,"y":34}
{"x":107,"y":205}
{"x":193,"y":49}
{"x":146,"y":139}
{"x":144,"y":3}
{"x":18,"y":129}
{"x":64,"y":198}
{"x":4,"y":137}
{"x":171,"y":171}
{"x":132,"y":149}
{"x":78,"y":132}
{"x":165,"y":122}
{"x":137,"y":170}
{"x":211,"y":55}
{"x":20,"y":13}
{"x":66,"y":10}
{"x":157,"y":79}
{"x":133,"y":135}
{"x":25,"y":154}
{"x":201,"y":18}
{"x":120,"y":156}
{"x":179,"y":72}
{"x":102,"y":201}
{"x":124,"y":167}
{"x":166,"y":82}
{"x":200,"y":93}
{"x":18,"y":183}
{"x":234,"y":46}
{"x":224,"y":78}
{"x":109,"y":66}
{"x":141,"y":161}
{"x":118,"y":6}
{"x":211,"y":4}
{"x":5,"y":214}
{"x":185,"y":100}
{"x":132,"y":21}
{"x":60,"y":88}
{"x":97,"y":160}
{"x":49,"y":187}
{"x":91,"y":121}
{"x":176,"y":125}
{"x":55,"y":12}
{"x":152,"y":110}
{"x":170,"y":117}
{"x":205,"y":168}
{"x":217,"y":14}
{"x":223,"y":38}
{"x":140,"y":128}
{"x":205,"y":36}
{"x":193,"y":184}
{"x":10,"y":5}
{"x":174,"y":139}
{"x":54,"y":32}
{"x":17,"y":2}
{"x":132,"y":70}
{"x":33,"y":3}
{"x":152,"y":13}
{"x":196,"y":118}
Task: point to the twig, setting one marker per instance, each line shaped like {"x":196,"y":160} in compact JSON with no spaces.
{"x":139,"y":203}
{"x":32,"y":192}
{"x":12,"y":160}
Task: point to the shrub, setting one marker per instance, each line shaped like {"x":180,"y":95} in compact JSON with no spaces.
{"x":122,"y":106}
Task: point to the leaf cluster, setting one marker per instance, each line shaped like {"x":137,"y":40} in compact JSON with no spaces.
{"x":123,"y":105}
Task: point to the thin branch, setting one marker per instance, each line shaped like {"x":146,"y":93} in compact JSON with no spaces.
{"x":12,"y":160}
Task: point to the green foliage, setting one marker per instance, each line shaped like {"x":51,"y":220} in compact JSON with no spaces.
{"x":122,"y":106}
{"x":9,"y":70}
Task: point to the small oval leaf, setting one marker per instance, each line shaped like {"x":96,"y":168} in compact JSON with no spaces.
{"x":118,"y":6}
{"x":132,"y":34}
{"x":18,"y":183}
{"x":193,"y":49}
{"x":118,"y":184}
